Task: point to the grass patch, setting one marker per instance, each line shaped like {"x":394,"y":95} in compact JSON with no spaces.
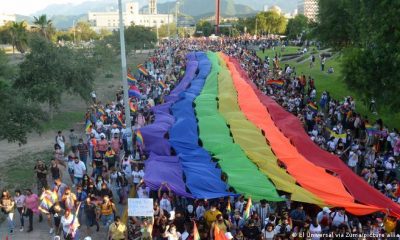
{"x":17,"y":173}
{"x":335,"y":85}
{"x":63,"y":120}
{"x":271,"y":53}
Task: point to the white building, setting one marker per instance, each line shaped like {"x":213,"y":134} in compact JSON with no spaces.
{"x":110,"y":20}
{"x":309,"y":8}
{"x":4,"y":18}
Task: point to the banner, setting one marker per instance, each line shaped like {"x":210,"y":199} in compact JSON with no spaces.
{"x":140,"y":207}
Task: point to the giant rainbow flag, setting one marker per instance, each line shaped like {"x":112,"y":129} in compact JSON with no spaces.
{"x":234,"y":129}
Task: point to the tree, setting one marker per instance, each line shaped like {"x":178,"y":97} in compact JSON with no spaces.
{"x":367,"y":33}
{"x":19,"y":36}
{"x":104,"y":33}
{"x":338,"y":22}
{"x":271,"y":22}
{"x":136,"y":37}
{"x":18,"y":115}
{"x":204,"y":28}
{"x":163,"y":30}
{"x":83,"y":32}
{"x":44,"y":25}
{"x":50,"y":70}
{"x":64,"y":36}
{"x":296,"y":26}
{"x":370,"y":65}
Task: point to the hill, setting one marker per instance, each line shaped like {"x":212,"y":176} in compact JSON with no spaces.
{"x":196,"y":8}
{"x":285,"y":5}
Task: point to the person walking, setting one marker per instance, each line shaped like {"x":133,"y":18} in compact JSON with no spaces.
{"x":30,"y":207}
{"x":117,"y":230}
{"x":47,"y":200}
{"x":79,"y":170}
{"x":60,"y":140}
{"x":83,"y":150}
{"x":19,"y":200}
{"x":92,"y":214}
{"x":107,"y":210}
{"x":41,"y":175}
{"x":55,"y":171}
{"x":7,"y":206}
{"x":73,"y":140}
{"x":67,"y":222}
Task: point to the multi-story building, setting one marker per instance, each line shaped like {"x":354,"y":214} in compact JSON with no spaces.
{"x":4,"y":18}
{"x":309,"y":8}
{"x":110,"y":20}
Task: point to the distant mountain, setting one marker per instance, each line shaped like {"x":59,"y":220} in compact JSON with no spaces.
{"x":59,"y":21}
{"x":87,"y":6}
{"x":67,"y":21}
{"x":27,"y":19}
{"x":285,"y":5}
{"x":197,"y":8}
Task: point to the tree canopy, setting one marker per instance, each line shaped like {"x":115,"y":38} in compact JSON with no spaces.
{"x":369,"y":34}
{"x":50,"y":70}
{"x":296,"y":26}
{"x":271,"y":22}
{"x":19,"y":116}
{"x":44,"y":26}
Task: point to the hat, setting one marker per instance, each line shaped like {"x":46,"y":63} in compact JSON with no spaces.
{"x":228,"y":235}
{"x":326,"y":210}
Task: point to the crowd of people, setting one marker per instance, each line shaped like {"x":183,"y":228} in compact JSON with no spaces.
{"x":86,"y":185}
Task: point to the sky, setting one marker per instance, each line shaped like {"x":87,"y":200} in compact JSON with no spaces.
{"x":27,"y":7}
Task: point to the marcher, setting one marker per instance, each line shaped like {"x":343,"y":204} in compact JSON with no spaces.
{"x":19,"y":200}
{"x":7,"y":206}
{"x":117,"y":230}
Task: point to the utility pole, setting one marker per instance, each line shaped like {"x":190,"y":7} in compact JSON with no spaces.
{"x":124,"y":74}
{"x":158,"y":36}
{"x":217,"y":15}
{"x":73,"y":25}
{"x":168,"y":21}
{"x":176,"y":16}
{"x":256,"y":25}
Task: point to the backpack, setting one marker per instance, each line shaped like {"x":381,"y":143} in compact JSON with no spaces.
{"x":325,"y":221}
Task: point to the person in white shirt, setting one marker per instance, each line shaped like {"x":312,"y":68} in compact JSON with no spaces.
{"x":268,"y":232}
{"x":66,"y":222}
{"x":114,"y":130}
{"x":339,"y":217}
{"x":142,"y":190}
{"x":79,"y":170}
{"x":200,"y":210}
{"x":137,"y":175}
{"x":165,"y":202}
{"x":315,"y":230}
{"x":239,"y":204}
{"x":353,"y":160}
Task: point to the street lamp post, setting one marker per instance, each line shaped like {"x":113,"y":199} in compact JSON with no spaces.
{"x":124,"y":74}
{"x":73,"y":25}
{"x":168,"y":21}
{"x":176,"y":16}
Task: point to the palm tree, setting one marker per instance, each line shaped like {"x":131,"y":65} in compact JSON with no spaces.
{"x":19,"y":36}
{"x":44,"y":25}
